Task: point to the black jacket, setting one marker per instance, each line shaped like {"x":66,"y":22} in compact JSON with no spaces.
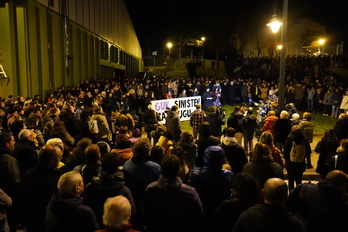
{"x":69,"y":214}
{"x":102,"y":187}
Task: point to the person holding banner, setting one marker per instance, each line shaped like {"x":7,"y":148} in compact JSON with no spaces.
{"x":173,"y":122}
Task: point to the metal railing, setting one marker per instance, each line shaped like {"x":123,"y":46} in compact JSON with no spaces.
{"x":187,"y":59}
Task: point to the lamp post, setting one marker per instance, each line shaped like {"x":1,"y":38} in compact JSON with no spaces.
{"x":321,"y":45}
{"x":202,"y":39}
{"x":274,"y":25}
{"x":154,"y":53}
{"x":169,"y":45}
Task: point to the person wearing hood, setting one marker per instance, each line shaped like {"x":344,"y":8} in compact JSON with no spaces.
{"x":173,"y":122}
{"x":295,"y":167}
{"x":169,"y":205}
{"x":212,"y":182}
{"x":166,"y":142}
{"x":236,"y":122}
{"x":139,"y":172}
{"x":234,"y":152}
{"x":269,"y":122}
{"x":108,"y":183}
{"x":65,"y":211}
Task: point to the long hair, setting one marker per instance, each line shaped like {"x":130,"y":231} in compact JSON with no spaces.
{"x":261,"y":152}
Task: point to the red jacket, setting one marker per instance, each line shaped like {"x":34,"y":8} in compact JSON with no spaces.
{"x":268,"y":125}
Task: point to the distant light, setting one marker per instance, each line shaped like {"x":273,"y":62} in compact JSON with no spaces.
{"x":169,"y":45}
{"x":321,"y":41}
{"x":203,"y":39}
{"x":280,"y":47}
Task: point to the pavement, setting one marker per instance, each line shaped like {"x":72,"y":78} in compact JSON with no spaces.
{"x":310,"y":173}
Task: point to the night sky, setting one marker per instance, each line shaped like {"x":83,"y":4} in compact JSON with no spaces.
{"x":157,"y":22}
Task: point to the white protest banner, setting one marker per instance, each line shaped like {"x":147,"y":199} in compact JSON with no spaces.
{"x":186,"y":106}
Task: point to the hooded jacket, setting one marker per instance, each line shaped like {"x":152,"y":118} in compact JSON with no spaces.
{"x":268,"y":125}
{"x":234,"y":153}
{"x":212,"y":183}
{"x":69,"y":214}
{"x":166,"y":144}
{"x":102,"y":187}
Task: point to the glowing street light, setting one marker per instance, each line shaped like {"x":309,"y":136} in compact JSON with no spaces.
{"x":203,"y":39}
{"x":279,"y":47}
{"x":274,"y":24}
{"x":169,"y":45}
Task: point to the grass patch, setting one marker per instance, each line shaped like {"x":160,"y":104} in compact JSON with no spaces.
{"x":321,"y":123}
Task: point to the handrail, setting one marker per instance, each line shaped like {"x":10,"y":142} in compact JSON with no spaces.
{"x":186,"y":60}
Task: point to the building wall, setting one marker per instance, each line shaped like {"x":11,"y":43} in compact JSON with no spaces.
{"x":41,"y":49}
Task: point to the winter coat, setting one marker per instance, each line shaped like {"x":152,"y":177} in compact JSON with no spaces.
{"x":307,"y":128}
{"x":26,"y":155}
{"x":249,"y":125}
{"x":102,"y":187}
{"x":212,"y":183}
{"x":139,"y":172}
{"x":173,"y":124}
{"x":215,"y":122}
{"x":8,"y":168}
{"x":166,"y":144}
{"x":263,"y":170}
{"x":234,"y":153}
{"x":171,"y":206}
{"x":265,"y":217}
{"x":298,"y":139}
{"x":236,"y":121}
{"x":342,"y":161}
{"x":203,"y":143}
{"x":37,"y":187}
{"x":103,"y":126}
{"x":268,"y":124}
{"x":282,"y":128}
{"x":69,"y":214}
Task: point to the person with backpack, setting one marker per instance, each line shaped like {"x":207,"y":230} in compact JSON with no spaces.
{"x":296,"y":148}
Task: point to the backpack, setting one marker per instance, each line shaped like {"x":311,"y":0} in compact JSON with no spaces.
{"x":298,"y":152}
{"x":93,"y":126}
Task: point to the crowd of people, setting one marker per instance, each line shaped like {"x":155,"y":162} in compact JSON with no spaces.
{"x":96,"y":156}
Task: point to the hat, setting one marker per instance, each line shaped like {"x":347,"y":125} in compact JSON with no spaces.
{"x":214,"y":156}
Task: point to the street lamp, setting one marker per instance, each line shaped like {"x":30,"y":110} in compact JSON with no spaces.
{"x":274,"y":24}
{"x":203,"y":39}
{"x":169,"y":45}
{"x":154,"y":53}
